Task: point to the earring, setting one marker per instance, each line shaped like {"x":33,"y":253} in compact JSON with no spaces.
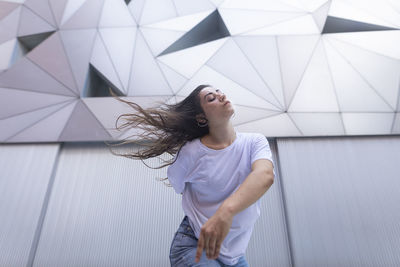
{"x":203,"y":124}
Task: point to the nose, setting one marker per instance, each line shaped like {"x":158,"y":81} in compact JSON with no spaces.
{"x":221,"y":96}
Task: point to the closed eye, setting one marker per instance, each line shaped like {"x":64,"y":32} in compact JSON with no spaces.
{"x":212,"y":99}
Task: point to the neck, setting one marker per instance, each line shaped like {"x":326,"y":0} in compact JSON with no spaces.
{"x":221,"y":134}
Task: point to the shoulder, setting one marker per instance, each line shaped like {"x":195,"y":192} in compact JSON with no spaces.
{"x":189,"y":147}
{"x":251,"y":136}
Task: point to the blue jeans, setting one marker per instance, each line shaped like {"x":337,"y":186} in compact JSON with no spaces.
{"x":184,"y":246}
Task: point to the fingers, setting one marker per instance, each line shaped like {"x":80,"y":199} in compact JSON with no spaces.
{"x":210,"y":247}
{"x":217,"y":249}
{"x":200,"y":246}
{"x":208,"y":243}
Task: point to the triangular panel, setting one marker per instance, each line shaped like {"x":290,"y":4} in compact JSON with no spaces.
{"x":299,"y":25}
{"x":101,"y":61}
{"x":261,"y":5}
{"x":313,"y":5}
{"x":210,"y":29}
{"x":189,"y":60}
{"x":321,"y":14}
{"x":78,"y":45}
{"x":396,"y":124}
{"x":157,"y":10}
{"x":184,"y":7}
{"x":71,"y":7}
{"x":336,"y":25}
{"x":6,"y":51}
{"x":158,"y":40}
{"x":230,"y":61}
{"x":368,"y":123}
{"x":295,"y":53}
{"x":262,"y":52}
{"x":44,"y":55}
{"x":34,"y":79}
{"x":97,"y":85}
{"x":315,"y":92}
{"x":146,"y":76}
{"x":318,"y":124}
{"x":108,"y":117}
{"x":382,"y":73}
{"x":42,"y":8}
{"x":398,"y":97}
{"x":30,"y":23}
{"x":13,"y":102}
{"x":381,"y":42}
{"x":353,"y":93}
{"x":116,"y":14}
{"x":13,"y":125}
{"x":183,"y":23}
{"x":83,"y":125}
{"x":58,"y":7}
{"x":277,"y":125}
{"x":243,"y":21}
{"x":9,"y":25}
{"x":234,"y":92}
{"x":120,"y":44}
{"x":136,"y":8}
{"x":47,"y":129}
{"x":359,"y":11}
{"x":6,"y":8}
{"x":245,"y":114}
{"x":87,"y":16}
{"x":175,"y":80}
{"x":29,"y":42}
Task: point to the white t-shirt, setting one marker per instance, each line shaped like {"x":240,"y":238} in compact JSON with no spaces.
{"x":206,"y":177}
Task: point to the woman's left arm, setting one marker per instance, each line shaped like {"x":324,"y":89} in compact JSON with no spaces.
{"x":214,"y":231}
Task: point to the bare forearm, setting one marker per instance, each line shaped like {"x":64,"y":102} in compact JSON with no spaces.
{"x":217,"y":227}
{"x":254,"y":186}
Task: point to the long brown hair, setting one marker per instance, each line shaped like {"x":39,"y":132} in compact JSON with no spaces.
{"x":165,"y":129}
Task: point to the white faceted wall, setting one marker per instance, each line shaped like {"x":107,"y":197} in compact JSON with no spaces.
{"x":291,"y":68}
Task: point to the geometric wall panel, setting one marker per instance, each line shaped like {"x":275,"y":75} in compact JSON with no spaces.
{"x":15,"y":124}
{"x":336,"y":25}
{"x":209,"y":29}
{"x":26,"y":101}
{"x":8,"y":25}
{"x":396,"y":124}
{"x":261,"y":52}
{"x":370,"y":123}
{"x":83,"y":125}
{"x":48,"y":128}
{"x":280,"y":62}
{"x":107,"y":117}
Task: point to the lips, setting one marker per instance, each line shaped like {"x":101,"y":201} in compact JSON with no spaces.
{"x":227,"y":102}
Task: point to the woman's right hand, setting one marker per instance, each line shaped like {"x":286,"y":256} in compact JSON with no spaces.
{"x":213,"y":233}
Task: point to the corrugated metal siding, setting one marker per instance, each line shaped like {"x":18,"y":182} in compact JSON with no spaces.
{"x":334,"y":203}
{"x":107,"y":211}
{"x":110,"y":211}
{"x":269,"y":242}
{"x":25,"y":173}
{"x":342,"y":199}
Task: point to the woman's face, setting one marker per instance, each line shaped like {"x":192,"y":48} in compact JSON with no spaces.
{"x":215,"y":104}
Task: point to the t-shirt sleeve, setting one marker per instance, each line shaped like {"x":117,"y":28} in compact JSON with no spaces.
{"x":260,"y":149}
{"x":177,"y":171}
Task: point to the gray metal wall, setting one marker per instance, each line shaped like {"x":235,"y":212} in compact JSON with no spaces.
{"x":25,"y":179}
{"x":342,"y":200}
{"x":333,"y":203}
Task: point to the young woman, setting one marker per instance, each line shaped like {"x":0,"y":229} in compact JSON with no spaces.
{"x":221,"y":174}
